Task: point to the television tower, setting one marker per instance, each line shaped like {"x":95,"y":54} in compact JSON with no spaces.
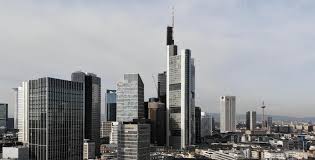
{"x":263,"y":118}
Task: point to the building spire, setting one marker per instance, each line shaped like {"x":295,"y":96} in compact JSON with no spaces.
{"x":173,"y":16}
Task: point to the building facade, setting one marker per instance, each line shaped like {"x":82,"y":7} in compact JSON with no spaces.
{"x":180,"y":95}
{"x":113,"y":137}
{"x":162,"y":87}
{"x":130,"y":98}
{"x":157,"y":117}
{"x":207,"y":124}
{"x":227,"y":114}
{"x":198,"y":124}
{"x":55,"y":119}
{"x":110,"y":105}
{"x":22,"y":109}
{"x":3,"y":115}
{"x":88,"y":149}
{"x":92,"y":108}
{"x":134,"y":141}
{"x":106,"y":128}
{"x":251,"y":120}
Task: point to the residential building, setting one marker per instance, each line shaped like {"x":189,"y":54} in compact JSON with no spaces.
{"x":227,"y":114}
{"x":92,"y":108}
{"x":180,"y":95}
{"x":130,"y":98}
{"x":110,"y":105}
{"x":55,"y":119}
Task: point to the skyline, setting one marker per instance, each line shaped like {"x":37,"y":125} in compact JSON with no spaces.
{"x":226,"y":40}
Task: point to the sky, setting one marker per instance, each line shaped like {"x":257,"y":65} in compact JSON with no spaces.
{"x":252,"y":49}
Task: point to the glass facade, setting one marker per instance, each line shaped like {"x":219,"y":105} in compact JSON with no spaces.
{"x":92,"y":108}
{"x":134,"y":142}
{"x":130,"y":98}
{"x":3,"y":115}
{"x":110,"y":107}
{"x":55,"y":119}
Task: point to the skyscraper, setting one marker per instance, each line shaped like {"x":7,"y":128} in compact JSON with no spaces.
{"x":227,"y":114}
{"x":130,"y":98}
{"x":15,"y":90}
{"x":110,"y":106}
{"x":198,"y":124}
{"x":162,"y":87}
{"x":157,"y":116}
{"x":250,"y":120}
{"x":55,"y":119}
{"x":180,"y":95}
{"x":3,"y":115}
{"x":22,"y":111}
{"x":207,"y":124}
{"x":92,"y":108}
{"x":134,"y":141}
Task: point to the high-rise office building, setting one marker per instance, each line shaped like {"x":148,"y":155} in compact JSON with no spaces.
{"x":22,"y":111}
{"x":130,"y":98}
{"x":157,"y":116}
{"x":162,"y":87}
{"x":251,"y":120}
{"x":92,"y":108}
{"x":198,"y":124}
{"x":180,"y":95}
{"x":55,"y":119}
{"x":3,"y":115}
{"x":207,"y":124}
{"x":15,"y":90}
{"x":134,"y":141}
{"x":269,"y":122}
{"x":110,"y":105}
{"x":227,"y":114}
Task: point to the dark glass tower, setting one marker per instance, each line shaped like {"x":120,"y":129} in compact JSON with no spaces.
{"x":92,"y":110}
{"x":55,"y":119}
{"x":110,"y":100}
{"x":162,"y":87}
{"x":198,"y":124}
{"x":3,"y":115}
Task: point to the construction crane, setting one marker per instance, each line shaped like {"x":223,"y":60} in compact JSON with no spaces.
{"x":155,"y":84}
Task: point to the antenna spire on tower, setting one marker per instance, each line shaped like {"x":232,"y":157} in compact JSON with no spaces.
{"x":173,"y":17}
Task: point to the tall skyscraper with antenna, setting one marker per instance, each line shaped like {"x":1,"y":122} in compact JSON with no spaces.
{"x":180,"y":97}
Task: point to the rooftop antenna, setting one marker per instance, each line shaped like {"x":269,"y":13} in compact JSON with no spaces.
{"x":173,"y":17}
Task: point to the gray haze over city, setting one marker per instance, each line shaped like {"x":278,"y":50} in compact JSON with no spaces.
{"x":252,"y":49}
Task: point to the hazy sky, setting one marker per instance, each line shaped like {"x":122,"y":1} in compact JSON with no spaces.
{"x":253,"y":49}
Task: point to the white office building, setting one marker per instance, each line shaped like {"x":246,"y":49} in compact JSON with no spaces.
{"x":21,"y":115}
{"x":180,"y":95}
{"x":251,"y":120}
{"x":227,"y":114}
{"x":130,"y":98}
